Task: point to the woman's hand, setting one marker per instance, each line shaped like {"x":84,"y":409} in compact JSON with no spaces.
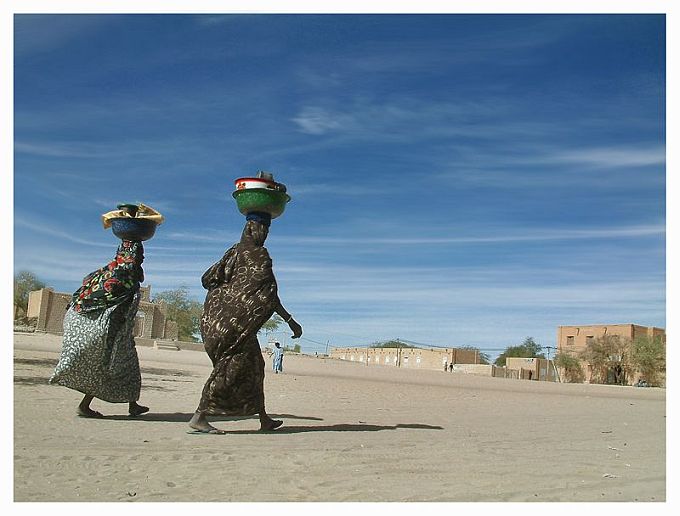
{"x":295,"y":328}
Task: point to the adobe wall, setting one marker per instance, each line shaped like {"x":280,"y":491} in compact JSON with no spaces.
{"x":521,"y":363}
{"x":49,"y":308}
{"x":412,"y":358}
{"x":574,"y":339}
{"x":475,"y":369}
{"x":648,"y":331}
{"x":580,"y":334}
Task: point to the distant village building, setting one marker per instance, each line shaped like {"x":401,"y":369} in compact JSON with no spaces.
{"x":48,"y":308}
{"x":411,"y":358}
{"x":573,"y":340}
{"x":532,"y":368}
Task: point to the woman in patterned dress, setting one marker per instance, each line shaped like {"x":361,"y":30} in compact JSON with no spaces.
{"x":98,"y":357}
{"x":242,"y":296}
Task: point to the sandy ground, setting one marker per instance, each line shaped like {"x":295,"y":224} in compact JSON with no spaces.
{"x":351,"y":433}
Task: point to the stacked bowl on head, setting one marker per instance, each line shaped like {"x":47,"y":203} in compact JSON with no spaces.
{"x":136,"y":222}
{"x":260,"y":194}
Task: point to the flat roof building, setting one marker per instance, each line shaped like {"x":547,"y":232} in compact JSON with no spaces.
{"x":573,"y":340}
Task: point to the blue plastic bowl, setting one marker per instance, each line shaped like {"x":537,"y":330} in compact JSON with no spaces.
{"x":129,"y":228}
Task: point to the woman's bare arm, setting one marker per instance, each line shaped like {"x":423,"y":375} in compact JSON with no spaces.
{"x":286,"y":316}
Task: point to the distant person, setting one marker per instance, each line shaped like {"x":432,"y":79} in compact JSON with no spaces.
{"x":445,"y":366}
{"x":242,"y":296}
{"x":451,"y":367}
{"x":98,"y":357}
{"x":277,"y":362}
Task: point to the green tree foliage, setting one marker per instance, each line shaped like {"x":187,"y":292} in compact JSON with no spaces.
{"x":272,"y":324}
{"x":482,"y":358}
{"x":24,"y":283}
{"x":391,"y":344}
{"x":571,"y":367}
{"x":528,"y":349}
{"x":648,"y":357}
{"x":295,"y":349}
{"x":609,"y":357}
{"x":184,"y":311}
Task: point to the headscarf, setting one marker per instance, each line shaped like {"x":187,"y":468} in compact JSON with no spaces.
{"x":114,"y":283}
{"x":254,"y":234}
{"x":261,"y":217}
{"x":252,"y":239}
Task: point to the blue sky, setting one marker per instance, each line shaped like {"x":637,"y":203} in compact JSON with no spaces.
{"x":456,"y":179}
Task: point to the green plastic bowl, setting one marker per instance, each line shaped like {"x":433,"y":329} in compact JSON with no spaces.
{"x":259,"y":199}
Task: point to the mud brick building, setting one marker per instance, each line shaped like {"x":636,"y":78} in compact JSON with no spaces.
{"x":411,"y":358}
{"x":573,"y":340}
{"x":48,"y":308}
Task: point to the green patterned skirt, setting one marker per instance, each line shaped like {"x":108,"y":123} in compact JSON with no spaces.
{"x":98,"y":356}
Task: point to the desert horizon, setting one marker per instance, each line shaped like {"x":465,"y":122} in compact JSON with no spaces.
{"x":349,"y":434}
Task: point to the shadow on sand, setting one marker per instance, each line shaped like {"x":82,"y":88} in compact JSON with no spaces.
{"x":341,"y":427}
{"x":180,"y":417}
{"x":52,"y":362}
{"x":43,"y":362}
{"x":31,"y":380}
{"x":184,"y":417}
{"x":44,"y":380}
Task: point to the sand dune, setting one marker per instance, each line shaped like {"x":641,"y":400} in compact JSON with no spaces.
{"x":351,"y":433}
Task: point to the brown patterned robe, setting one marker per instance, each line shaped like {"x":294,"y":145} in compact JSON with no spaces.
{"x":242,"y":295}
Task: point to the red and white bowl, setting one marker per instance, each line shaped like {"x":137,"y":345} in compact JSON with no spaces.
{"x":247,"y":183}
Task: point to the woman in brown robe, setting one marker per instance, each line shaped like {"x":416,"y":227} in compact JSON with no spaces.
{"x":242,"y":296}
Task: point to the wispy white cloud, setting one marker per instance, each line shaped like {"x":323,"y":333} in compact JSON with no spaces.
{"x":316,"y":120}
{"x":507,"y":47}
{"x":35,"y":33}
{"x":539,"y":166}
{"x":611,"y":157}
{"x":318,"y":79}
{"x":164,"y":206}
{"x":515,"y":235}
{"x":388,"y":111}
{"x":336,"y":191}
{"x":464,"y":307}
{"x":212,"y":20}
{"x":208,"y":236}
{"x":89,"y":149}
{"x":459,"y":295}
{"x":55,"y":232}
{"x":408,"y":118}
{"x":379,"y":300}
{"x":86,"y":150}
{"x":615,"y":157}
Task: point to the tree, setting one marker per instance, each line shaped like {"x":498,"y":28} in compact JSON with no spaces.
{"x":482,"y":357}
{"x":391,"y":344}
{"x":271,"y":325}
{"x":24,"y":283}
{"x":648,"y":357}
{"x":571,"y":366}
{"x":528,"y":349}
{"x":184,"y":311}
{"x":609,"y":357}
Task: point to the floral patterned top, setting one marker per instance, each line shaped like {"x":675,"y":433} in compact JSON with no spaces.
{"x":114,"y":283}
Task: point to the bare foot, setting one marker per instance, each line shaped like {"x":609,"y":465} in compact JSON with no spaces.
{"x":88,"y":412}
{"x":136,"y":409}
{"x":267,"y":424}
{"x":200,"y":424}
